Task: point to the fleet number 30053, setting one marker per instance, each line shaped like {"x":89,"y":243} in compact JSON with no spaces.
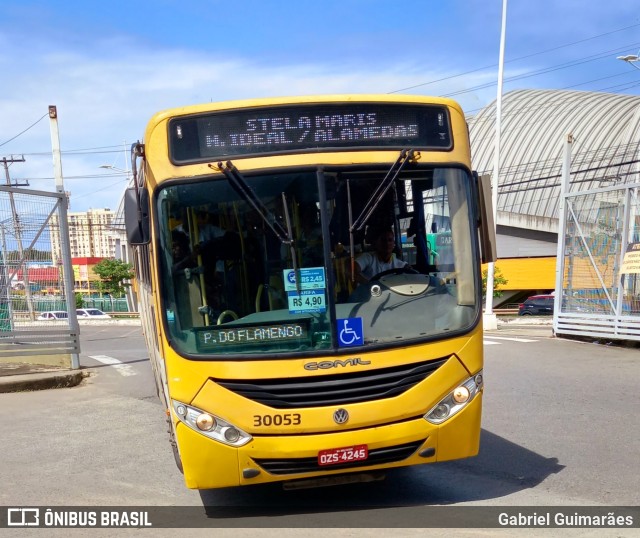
{"x":287,"y":419}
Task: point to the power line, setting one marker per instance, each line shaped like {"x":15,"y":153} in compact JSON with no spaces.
{"x":30,"y":126}
{"x":88,"y":151}
{"x":84,"y":176}
{"x":545,"y":70}
{"x":516,"y":59}
{"x":523,"y":108}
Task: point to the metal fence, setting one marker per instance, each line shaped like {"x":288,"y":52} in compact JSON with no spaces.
{"x":598,"y":296}
{"x":32,"y":287}
{"x":106,"y":304}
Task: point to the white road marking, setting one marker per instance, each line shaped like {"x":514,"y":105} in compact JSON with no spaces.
{"x":511,"y":339}
{"x":490,"y":343}
{"x":123,"y":369}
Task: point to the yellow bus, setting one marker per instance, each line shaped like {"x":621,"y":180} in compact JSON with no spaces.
{"x":298,"y":327}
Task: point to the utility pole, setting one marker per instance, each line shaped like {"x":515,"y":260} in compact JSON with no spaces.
{"x":18,"y":233}
{"x":6,"y":162}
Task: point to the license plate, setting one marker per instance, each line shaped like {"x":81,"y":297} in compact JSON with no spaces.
{"x":347,"y":454}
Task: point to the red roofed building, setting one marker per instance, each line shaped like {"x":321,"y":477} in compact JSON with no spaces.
{"x":45,"y":278}
{"x":48,"y":279}
{"x":40,"y":274}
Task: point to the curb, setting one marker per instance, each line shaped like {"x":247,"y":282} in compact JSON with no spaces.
{"x":41,"y":381}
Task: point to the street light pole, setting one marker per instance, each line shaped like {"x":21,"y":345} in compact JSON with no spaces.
{"x":631,"y":59}
{"x":121,"y":248}
{"x":114,"y":168}
{"x":490,"y":321}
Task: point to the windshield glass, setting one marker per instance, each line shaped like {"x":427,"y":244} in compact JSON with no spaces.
{"x":292,"y":274}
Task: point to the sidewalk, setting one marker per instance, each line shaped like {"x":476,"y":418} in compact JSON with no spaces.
{"x":19,"y":377}
{"x":524,"y":320}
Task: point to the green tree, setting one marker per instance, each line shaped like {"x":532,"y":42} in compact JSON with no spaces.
{"x":113,"y":274}
{"x":29,"y":254}
{"x":79,"y":300}
{"x":498,"y":280}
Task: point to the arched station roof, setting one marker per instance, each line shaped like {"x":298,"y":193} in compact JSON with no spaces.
{"x":534,"y":125}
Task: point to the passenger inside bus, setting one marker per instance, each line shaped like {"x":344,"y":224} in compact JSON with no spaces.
{"x":183,"y":258}
{"x":310,"y":236}
{"x":383,"y":258}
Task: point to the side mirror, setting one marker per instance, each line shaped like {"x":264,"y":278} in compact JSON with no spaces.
{"x":136,"y":216}
{"x":487,"y":225}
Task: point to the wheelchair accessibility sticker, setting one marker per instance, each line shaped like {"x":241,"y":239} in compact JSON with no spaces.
{"x":350,"y":332}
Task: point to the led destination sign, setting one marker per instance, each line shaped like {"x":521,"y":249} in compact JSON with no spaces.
{"x":211,"y":339}
{"x":308,"y":127}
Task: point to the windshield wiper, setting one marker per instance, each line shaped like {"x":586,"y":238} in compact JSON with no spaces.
{"x":244,"y":190}
{"x":405,"y":156}
{"x":241,"y":186}
{"x":372,"y":204}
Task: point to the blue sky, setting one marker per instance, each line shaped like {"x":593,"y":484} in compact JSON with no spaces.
{"x":109,"y":66}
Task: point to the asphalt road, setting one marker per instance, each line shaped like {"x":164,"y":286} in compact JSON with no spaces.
{"x":559,"y":428}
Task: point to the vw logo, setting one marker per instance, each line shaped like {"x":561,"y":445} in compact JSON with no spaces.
{"x":341,"y":416}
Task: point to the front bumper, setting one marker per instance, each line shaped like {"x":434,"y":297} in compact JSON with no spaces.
{"x":210,"y":464}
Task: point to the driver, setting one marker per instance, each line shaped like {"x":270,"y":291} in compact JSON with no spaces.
{"x":381,"y":259}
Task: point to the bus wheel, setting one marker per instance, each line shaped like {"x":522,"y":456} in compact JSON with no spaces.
{"x":174,"y":446}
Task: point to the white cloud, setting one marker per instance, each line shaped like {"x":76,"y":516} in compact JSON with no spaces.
{"x":106,"y":94}
{"x":107,"y":84}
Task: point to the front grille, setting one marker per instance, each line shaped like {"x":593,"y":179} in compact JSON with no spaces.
{"x":336,"y":389}
{"x":378,"y":456}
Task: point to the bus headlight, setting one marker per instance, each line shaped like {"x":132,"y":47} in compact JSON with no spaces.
{"x":205,"y":422}
{"x":210,"y":425}
{"x":456,"y":400}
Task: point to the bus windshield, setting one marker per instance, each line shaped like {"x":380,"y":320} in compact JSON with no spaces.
{"x":291,"y":273}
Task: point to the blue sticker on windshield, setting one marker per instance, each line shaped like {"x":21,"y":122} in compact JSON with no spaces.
{"x":311,"y":278}
{"x":350,"y":332}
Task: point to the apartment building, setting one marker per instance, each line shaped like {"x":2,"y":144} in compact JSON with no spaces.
{"x":90,"y":234}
